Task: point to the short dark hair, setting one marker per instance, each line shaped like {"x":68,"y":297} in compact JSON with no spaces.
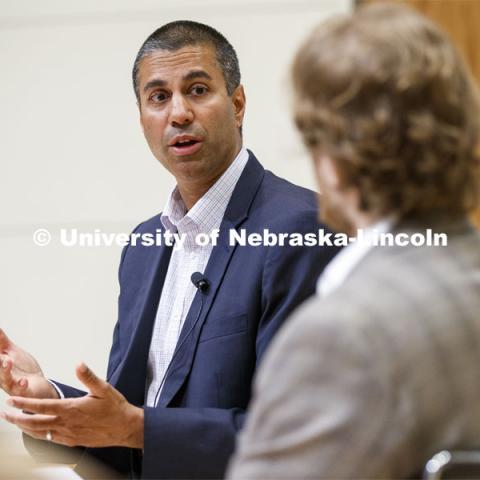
{"x":178,"y":34}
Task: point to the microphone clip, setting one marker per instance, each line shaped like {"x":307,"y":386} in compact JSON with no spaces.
{"x":200,"y":281}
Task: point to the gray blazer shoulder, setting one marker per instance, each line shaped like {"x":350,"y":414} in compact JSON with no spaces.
{"x":377,"y":377}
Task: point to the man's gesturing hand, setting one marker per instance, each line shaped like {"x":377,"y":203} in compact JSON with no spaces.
{"x":102,"y":418}
{"x":20,"y":374}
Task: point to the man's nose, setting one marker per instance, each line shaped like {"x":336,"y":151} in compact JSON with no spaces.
{"x":181,"y":112}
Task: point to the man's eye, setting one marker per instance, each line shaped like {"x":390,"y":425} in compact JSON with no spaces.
{"x":159,"y":97}
{"x":199,"y":90}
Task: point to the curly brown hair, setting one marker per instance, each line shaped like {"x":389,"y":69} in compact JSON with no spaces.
{"x":384,"y":92}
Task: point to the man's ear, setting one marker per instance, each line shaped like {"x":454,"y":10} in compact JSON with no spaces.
{"x":140,"y":118}
{"x":326,"y":171}
{"x":239,"y":102}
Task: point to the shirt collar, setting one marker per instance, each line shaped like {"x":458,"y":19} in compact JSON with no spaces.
{"x":342,"y":265}
{"x":207,"y":213}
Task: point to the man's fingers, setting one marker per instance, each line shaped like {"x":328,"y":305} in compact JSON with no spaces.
{"x":96,"y":386}
{"x":32,"y":423}
{"x":4,"y":340}
{"x":19,"y":386}
{"x":7,"y":381}
{"x":34,"y":405}
{"x":22,"y":383}
{"x":14,"y":384}
{"x":33,"y":434}
{"x":5,"y":363}
{"x":57,"y":437}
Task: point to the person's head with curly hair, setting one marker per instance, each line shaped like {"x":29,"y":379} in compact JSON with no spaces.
{"x":390,"y":114}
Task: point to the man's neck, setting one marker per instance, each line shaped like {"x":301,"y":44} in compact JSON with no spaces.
{"x":193,"y":190}
{"x":358,"y":219}
{"x":192,"y":193}
{"x":363,"y":220}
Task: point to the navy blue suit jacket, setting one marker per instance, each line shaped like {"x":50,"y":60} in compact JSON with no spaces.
{"x":191,"y":433}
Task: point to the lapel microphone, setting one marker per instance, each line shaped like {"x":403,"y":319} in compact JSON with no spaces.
{"x":201,"y":283}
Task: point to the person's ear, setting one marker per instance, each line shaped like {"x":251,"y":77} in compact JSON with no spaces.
{"x":326,"y":171}
{"x":140,"y":118}
{"x":239,"y":102}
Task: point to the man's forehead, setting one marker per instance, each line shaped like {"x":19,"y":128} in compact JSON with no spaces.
{"x":178,"y":63}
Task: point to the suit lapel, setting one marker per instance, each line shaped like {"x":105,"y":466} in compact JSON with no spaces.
{"x":236,"y":213}
{"x":129,"y":377}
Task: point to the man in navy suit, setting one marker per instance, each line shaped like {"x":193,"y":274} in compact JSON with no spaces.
{"x":183,"y":354}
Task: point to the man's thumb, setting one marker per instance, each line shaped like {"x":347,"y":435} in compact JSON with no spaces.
{"x":90,"y":380}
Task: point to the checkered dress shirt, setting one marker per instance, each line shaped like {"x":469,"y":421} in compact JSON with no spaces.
{"x":178,"y":290}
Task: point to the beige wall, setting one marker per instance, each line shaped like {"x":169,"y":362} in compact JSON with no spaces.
{"x":73,"y":154}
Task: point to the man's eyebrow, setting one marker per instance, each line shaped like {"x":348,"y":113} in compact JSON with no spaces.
{"x":154,"y":83}
{"x":194,"y":74}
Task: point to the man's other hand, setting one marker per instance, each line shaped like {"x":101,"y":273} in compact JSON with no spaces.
{"x":102,"y":418}
{"x":20,"y":373}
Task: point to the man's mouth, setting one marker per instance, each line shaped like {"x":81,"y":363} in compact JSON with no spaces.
{"x":185,"y":145}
